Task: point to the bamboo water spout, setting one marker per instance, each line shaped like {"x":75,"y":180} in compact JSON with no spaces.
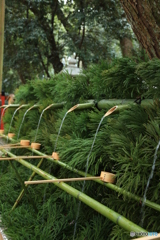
{"x":105,"y":177}
{"x":82,"y":106}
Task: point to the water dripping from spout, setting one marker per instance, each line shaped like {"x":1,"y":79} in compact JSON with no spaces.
{"x":23,"y":120}
{"x":3,"y":113}
{"x":110,"y":111}
{"x":147,"y":186}
{"x":55,"y":146}
{"x":40,"y":120}
{"x":12,"y":119}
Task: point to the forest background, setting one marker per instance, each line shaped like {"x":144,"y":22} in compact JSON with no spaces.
{"x":38,"y":34}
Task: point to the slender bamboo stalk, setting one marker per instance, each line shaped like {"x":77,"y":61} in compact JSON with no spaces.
{"x":8,"y":145}
{"x":14,"y":147}
{"x":2,"y":17}
{"x":24,"y":157}
{"x":23,"y":186}
{"x":61,"y":180}
{"x":103,"y":210}
{"x":23,"y":190}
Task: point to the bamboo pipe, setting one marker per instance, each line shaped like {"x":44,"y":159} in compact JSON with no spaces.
{"x":103,"y":210}
{"x":111,"y":110}
{"x":103,"y":104}
{"x":82,"y":106}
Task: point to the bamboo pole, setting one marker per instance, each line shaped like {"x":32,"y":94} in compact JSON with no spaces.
{"x":103,"y":210}
{"x":23,"y":190}
{"x":108,"y":185}
{"x":25,"y":157}
{"x":2,"y":17}
{"x":61,"y":180}
{"x":13,"y":147}
{"x":124,"y":103}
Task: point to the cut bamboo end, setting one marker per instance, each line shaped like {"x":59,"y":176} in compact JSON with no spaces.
{"x":35,"y":145}
{"x":73,"y":108}
{"x":11,"y":135}
{"x":110,"y":111}
{"x":55,"y":156}
{"x":25,"y":142}
{"x":1,"y":131}
{"x":108,"y":177}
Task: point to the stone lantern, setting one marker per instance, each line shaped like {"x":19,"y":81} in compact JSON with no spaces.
{"x":72,"y":67}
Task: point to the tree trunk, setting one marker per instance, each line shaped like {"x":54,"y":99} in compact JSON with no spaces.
{"x":145,"y":21}
{"x":126,"y":47}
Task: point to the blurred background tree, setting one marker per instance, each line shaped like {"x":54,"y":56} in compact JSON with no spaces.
{"x":38,"y":34}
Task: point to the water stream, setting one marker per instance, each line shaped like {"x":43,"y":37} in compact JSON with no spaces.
{"x":3,"y":113}
{"x":12,"y":119}
{"x":55,"y":146}
{"x":110,"y":111}
{"x":40,"y":120}
{"x":147,"y":186}
{"x":23,"y":120}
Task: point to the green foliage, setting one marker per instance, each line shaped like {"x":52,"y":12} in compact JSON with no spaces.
{"x":125,"y":145}
{"x":150,"y":73}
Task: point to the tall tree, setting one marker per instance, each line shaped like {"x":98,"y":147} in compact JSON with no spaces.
{"x":144,"y":17}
